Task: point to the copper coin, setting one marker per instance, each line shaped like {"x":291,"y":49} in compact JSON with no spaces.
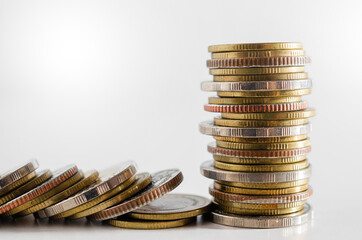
{"x":281,"y":107}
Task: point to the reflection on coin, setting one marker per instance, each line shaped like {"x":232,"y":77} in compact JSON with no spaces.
{"x":173,"y":207}
{"x":137,"y":224}
{"x":255,"y":46}
{"x":258,"y":54}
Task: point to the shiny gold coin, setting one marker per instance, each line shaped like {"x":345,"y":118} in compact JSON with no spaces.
{"x":253,"y":191}
{"x":237,"y":160}
{"x":286,"y":93}
{"x":17,"y":183}
{"x":262,"y":77}
{"x":258,"y":53}
{"x":252,"y":71}
{"x":270,"y":116}
{"x":88,"y":178}
{"x":34,"y":182}
{"x":261,"y":140}
{"x":137,"y":224}
{"x":142,"y":180}
{"x":262,"y":168}
{"x":266,"y":185}
{"x":268,"y":212}
{"x":255,"y":46}
{"x":259,"y":123}
{"x":263,"y":146}
{"x":96,"y":200}
{"x":256,"y":206}
{"x":245,"y":101}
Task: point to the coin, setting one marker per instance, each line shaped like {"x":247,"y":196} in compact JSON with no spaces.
{"x":141,"y":181}
{"x":162,"y":183}
{"x":12,"y":179}
{"x":264,"y":146}
{"x":266,"y":185}
{"x":262,"y":168}
{"x":252,"y":71}
{"x":259,"y":123}
{"x":258,"y":54}
{"x":208,"y":170}
{"x":283,"y":93}
{"x":307,"y":113}
{"x":40,"y":193}
{"x":277,"y":107}
{"x":17,"y":183}
{"x":208,"y":128}
{"x":272,"y":199}
{"x":244,"y":211}
{"x":240,"y":160}
{"x":261,"y":140}
{"x":173,"y":207}
{"x":39,"y":178}
{"x":137,"y":224}
{"x":237,"y":101}
{"x":89,"y":177}
{"x":110,"y":178}
{"x":262,"y":77}
{"x":262,"y":221}
{"x":258,"y":206}
{"x":255,"y":46}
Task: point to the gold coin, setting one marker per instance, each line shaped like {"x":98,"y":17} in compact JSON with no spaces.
{"x":17,"y":183}
{"x":263,"y":146}
{"x":142,"y":180}
{"x":266,"y":185}
{"x":258,"y":53}
{"x":96,"y":200}
{"x":253,"y":191}
{"x":286,"y":93}
{"x":237,"y":160}
{"x":270,"y":116}
{"x":252,"y":71}
{"x":255,"y":46}
{"x":34,"y":182}
{"x":262,"y":168}
{"x":245,"y":101}
{"x":137,"y":224}
{"x":259,"y":123}
{"x":256,"y":206}
{"x":259,"y":211}
{"x":88,"y":178}
{"x":261,"y":140}
{"x":262,"y":77}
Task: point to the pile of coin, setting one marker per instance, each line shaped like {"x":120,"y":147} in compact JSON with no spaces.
{"x":118,"y":195}
{"x":260,"y":167}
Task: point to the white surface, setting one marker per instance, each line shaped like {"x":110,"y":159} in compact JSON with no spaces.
{"x":98,"y":82}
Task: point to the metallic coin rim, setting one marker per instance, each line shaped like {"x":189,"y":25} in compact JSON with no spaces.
{"x":263,"y":146}
{"x":242,"y":101}
{"x":258,"y":53}
{"x":17,"y":173}
{"x":241,"y":160}
{"x":256,"y":71}
{"x":255,"y":46}
{"x":258,"y":94}
{"x":256,"y":206}
{"x":261,"y":77}
{"x":262,"y":168}
{"x":150,"y":224}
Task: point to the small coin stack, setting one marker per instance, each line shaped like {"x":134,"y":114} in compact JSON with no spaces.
{"x":119,"y":195}
{"x":260,"y":167}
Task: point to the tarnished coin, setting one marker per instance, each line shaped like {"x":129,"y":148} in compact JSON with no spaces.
{"x":173,"y":207}
{"x":137,"y":224}
{"x":282,"y":107}
{"x":261,"y":140}
{"x":264,"y":146}
{"x":162,"y":183}
{"x":15,"y":177}
{"x":208,"y":128}
{"x":259,"y":94}
{"x":262,"y":168}
{"x":238,"y":101}
{"x":110,"y":178}
{"x":252,"y":71}
{"x":307,"y":113}
{"x":257,"y":206}
{"x":141,"y":181}
{"x":262,"y":77}
{"x":242,"y":160}
{"x":208,"y":170}
{"x":266,"y":185}
{"x":272,"y":199}
{"x":258,"y":54}
{"x":255,"y":46}
{"x":245,"y":211}
{"x":259,"y":123}
{"x":40,"y":193}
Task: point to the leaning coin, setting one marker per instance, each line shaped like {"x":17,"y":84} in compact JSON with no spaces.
{"x":110,"y":179}
{"x":258,"y":94}
{"x":208,"y":128}
{"x":262,"y":77}
{"x":208,"y":170}
{"x":13,"y":178}
{"x":137,"y":224}
{"x":141,"y":181}
{"x":173,"y":207}
{"x":262,"y":221}
{"x":40,"y":193}
{"x":162,"y":183}
{"x":89,"y":178}
{"x":255,"y":46}
{"x":258,"y":54}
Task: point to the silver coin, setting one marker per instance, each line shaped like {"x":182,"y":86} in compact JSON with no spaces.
{"x":109,"y":179}
{"x":262,"y":221}
{"x":208,"y":170}
{"x":256,"y":85}
{"x":17,"y":173}
{"x":208,"y":128}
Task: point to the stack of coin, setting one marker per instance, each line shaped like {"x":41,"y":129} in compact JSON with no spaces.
{"x":260,"y":167}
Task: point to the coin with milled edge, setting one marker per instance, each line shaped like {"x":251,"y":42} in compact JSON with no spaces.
{"x":259,"y":123}
{"x":141,"y":181}
{"x":173,"y":207}
{"x":255,"y":46}
{"x":238,"y":160}
{"x":40,"y":193}
{"x":252,"y":71}
{"x":258,"y":54}
{"x":262,"y":77}
{"x":262,"y":168}
{"x":262,"y":221}
{"x":245,"y":211}
{"x":257,"y":206}
{"x":266,"y":185}
{"x":110,"y":178}
{"x":162,"y":183}
{"x":208,"y":170}
{"x":277,"y":107}
{"x":137,"y":224}
{"x":270,"y":116}
{"x":263,"y":146}
{"x":261,"y":140}
{"x":238,"y":101}
{"x":258,"y":94}
{"x":8,"y":189}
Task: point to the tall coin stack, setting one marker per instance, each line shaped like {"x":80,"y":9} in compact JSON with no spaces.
{"x":259,"y":167}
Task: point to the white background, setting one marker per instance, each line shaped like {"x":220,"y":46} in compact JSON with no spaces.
{"x":99,"y":82}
